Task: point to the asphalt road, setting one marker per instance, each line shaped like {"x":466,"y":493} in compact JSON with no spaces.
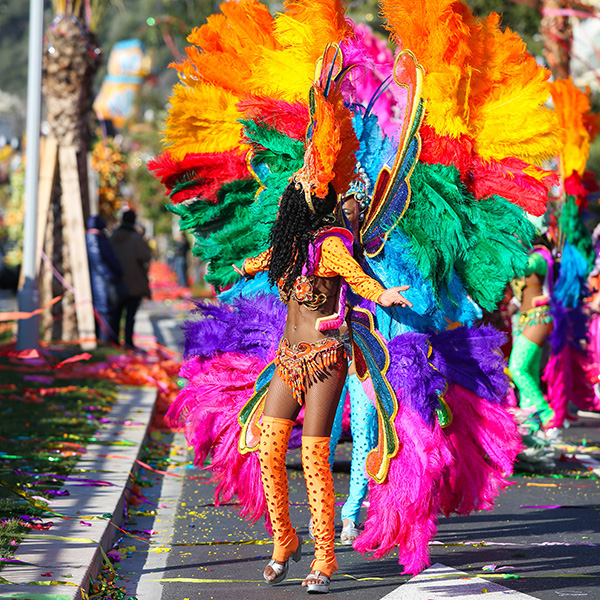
{"x":541,"y":540}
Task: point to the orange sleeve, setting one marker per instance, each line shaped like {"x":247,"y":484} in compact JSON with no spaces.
{"x":336,"y":260}
{"x":256,"y":264}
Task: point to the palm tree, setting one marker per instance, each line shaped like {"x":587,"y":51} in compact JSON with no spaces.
{"x":71,"y":59}
{"x":557,"y":34}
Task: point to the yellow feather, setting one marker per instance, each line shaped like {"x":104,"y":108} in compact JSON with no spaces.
{"x":303,"y":32}
{"x":202,"y":119}
{"x":508,"y":113}
{"x":245,"y":51}
{"x":479,"y":80}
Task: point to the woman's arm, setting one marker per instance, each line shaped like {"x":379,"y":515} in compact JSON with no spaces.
{"x":254,"y":265}
{"x":336,"y":260}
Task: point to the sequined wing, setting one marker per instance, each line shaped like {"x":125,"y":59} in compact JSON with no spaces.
{"x":372,"y":360}
{"x":392,"y":193}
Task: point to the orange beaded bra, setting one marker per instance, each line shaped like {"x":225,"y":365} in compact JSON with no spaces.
{"x":303,"y":292}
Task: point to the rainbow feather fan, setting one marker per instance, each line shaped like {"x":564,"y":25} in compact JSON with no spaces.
{"x":485,"y":99}
{"x":238,"y":120}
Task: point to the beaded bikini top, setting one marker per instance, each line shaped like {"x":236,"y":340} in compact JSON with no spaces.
{"x":303,"y":292}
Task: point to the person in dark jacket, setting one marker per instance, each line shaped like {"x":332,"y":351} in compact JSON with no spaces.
{"x":181,"y":248}
{"x":105,"y":274}
{"x":134,"y":254}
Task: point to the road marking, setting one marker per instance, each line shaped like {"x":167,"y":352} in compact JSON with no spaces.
{"x":440,"y":582}
{"x":587,"y":461}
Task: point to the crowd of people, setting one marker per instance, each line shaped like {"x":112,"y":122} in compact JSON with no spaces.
{"x":119,"y":276}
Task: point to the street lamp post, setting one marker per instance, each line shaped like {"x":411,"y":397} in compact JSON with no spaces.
{"x":28,"y":332}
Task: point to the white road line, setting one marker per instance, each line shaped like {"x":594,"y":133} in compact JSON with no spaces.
{"x":587,"y":461}
{"x":440,"y":582}
{"x":150,"y":562}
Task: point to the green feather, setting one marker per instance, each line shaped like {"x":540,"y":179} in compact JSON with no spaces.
{"x":484,"y":241}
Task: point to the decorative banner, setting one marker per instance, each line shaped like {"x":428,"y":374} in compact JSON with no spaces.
{"x":128,"y":65}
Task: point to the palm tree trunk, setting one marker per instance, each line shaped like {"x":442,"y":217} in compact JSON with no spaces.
{"x":71,"y":59}
{"x":557,"y":33}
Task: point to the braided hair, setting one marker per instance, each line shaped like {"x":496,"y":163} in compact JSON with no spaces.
{"x":293,"y":231}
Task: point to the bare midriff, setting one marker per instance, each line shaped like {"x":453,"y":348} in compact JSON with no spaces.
{"x":301,"y":323}
{"x":533,"y":289}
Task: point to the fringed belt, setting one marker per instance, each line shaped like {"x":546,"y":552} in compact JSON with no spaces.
{"x":533,"y":316}
{"x":297,"y":365}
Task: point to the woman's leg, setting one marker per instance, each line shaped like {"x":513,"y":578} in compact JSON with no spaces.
{"x":524,"y":367}
{"x":336,"y":431}
{"x":278,"y":419}
{"x":321,"y":398}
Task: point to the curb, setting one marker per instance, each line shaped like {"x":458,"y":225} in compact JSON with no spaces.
{"x":57,"y":569}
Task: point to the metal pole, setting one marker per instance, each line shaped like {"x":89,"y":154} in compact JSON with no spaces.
{"x":29,"y":296}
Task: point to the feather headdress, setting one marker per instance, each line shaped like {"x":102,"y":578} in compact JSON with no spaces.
{"x":485,"y":99}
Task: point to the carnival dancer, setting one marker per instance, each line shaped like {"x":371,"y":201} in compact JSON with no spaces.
{"x":566,"y":373}
{"x":307,"y":260}
{"x":533,"y":326}
{"x":445,"y":217}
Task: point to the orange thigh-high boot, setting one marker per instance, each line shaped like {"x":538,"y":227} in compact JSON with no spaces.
{"x":319,"y":484}
{"x":274,"y":440}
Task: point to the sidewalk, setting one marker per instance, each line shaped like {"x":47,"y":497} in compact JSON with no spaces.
{"x":69,"y":552}
{"x":58,"y":564}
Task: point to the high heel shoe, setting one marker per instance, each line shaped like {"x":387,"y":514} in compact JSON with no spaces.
{"x":322,"y":585}
{"x":349,"y":533}
{"x":281,"y":569}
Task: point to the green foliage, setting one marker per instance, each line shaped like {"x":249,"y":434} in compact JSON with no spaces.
{"x":593,"y":163}
{"x":13,"y":46}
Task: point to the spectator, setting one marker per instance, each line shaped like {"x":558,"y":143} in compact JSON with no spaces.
{"x":106,"y":275}
{"x":134,"y":254}
{"x":181,"y":248}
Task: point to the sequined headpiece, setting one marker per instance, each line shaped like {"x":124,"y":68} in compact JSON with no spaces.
{"x":360,"y":188}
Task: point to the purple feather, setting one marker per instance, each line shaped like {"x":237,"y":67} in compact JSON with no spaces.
{"x":483,"y":441}
{"x":248,"y":326}
{"x":408,"y":357}
{"x":403,"y":510}
{"x":471,"y":358}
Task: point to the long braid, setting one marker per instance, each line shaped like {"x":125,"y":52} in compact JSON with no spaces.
{"x":293,"y":231}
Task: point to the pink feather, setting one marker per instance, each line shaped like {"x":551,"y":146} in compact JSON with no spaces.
{"x":484,"y":443}
{"x":403,"y":510}
{"x":567,"y":381}
{"x":208,"y":409}
{"x":457,"y":469}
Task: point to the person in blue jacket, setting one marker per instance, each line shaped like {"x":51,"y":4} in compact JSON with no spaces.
{"x":106,"y":275}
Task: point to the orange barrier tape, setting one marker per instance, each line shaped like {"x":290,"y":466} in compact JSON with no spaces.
{"x":20,"y":315}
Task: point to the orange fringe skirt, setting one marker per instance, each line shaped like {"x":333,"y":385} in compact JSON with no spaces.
{"x":298,"y":364}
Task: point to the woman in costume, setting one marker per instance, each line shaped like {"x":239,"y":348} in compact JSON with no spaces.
{"x":532,"y":329}
{"x":363,"y":414}
{"x":306,"y":260}
{"x":445,"y":217}
{"x":552,"y":308}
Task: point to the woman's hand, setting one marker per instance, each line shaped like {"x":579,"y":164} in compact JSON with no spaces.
{"x":393,"y":297}
{"x":239,"y":271}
